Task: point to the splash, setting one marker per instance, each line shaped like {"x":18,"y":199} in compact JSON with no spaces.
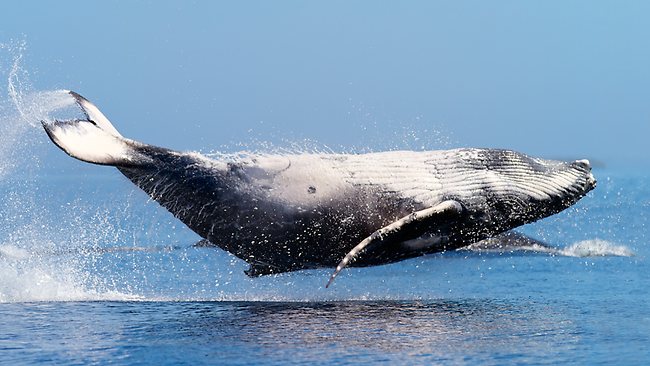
{"x":31,"y":106}
{"x":596,"y":248}
{"x":42,"y":260}
{"x":513,"y":242}
{"x":33,"y":234}
{"x":374,"y":133}
{"x":32,"y":276}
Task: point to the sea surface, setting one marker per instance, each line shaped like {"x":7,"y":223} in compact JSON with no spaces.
{"x":93,"y":272}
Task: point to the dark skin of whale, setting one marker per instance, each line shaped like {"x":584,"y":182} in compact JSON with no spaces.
{"x":274,"y":238}
{"x":359,"y":210}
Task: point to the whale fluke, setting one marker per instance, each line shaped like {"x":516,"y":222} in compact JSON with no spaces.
{"x":94,"y":139}
{"x":94,"y":115}
{"x":288,"y":212}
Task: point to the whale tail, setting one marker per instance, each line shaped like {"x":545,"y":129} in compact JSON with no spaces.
{"x":93,"y":139}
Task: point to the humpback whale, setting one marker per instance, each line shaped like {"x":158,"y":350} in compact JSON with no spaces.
{"x":287,"y":212}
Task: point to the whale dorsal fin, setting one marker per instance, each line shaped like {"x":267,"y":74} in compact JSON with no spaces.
{"x":418,"y":223}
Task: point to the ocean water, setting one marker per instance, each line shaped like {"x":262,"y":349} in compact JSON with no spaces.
{"x":92,"y":271}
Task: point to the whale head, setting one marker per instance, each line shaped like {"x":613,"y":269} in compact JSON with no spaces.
{"x":519,"y":189}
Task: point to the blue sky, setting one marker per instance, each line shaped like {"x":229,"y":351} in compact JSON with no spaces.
{"x":560,"y":79}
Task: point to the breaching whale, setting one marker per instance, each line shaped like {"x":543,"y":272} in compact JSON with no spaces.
{"x":289,"y":212}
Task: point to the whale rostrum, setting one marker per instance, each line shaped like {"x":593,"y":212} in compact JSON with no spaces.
{"x":287,"y":212}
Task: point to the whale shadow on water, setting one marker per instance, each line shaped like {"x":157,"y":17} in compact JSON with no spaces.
{"x":435,"y":330}
{"x":456,"y":331}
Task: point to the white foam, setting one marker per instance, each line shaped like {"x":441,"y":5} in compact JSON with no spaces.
{"x":32,"y":236}
{"x":13,"y":252}
{"x":596,"y":248}
{"x":27,"y":276}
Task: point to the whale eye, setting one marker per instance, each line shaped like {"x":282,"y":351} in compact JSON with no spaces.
{"x":311,"y":190}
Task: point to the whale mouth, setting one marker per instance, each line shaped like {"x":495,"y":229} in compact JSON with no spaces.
{"x":591,"y":181}
{"x":584,"y":167}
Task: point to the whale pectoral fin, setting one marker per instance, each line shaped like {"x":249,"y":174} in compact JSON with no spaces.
{"x":417,"y":223}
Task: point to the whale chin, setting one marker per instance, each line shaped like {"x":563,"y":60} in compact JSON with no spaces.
{"x":289,"y":212}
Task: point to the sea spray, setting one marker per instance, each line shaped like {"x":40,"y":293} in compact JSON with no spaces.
{"x":43,"y":251}
{"x":596,"y":248}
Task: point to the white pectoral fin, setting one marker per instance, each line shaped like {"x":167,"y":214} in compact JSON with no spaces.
{"x":443,"y":211}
